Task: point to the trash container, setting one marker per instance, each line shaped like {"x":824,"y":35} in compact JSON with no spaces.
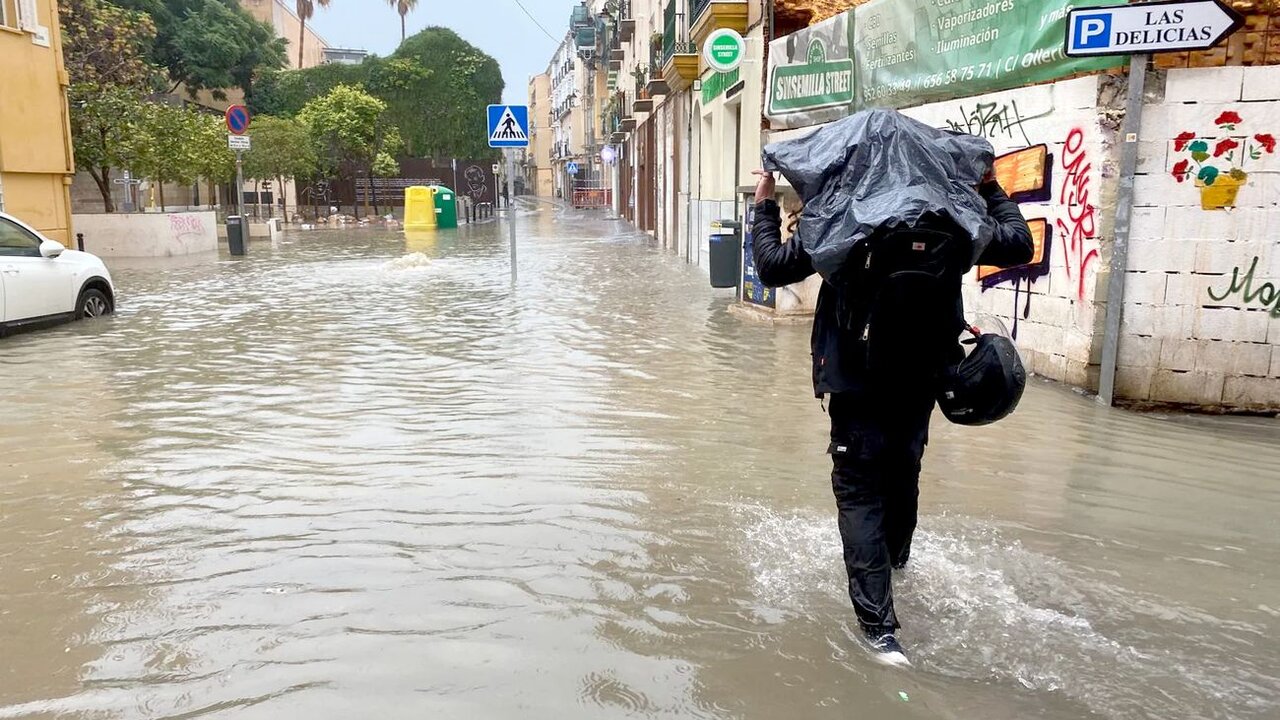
{"x":446,"y":207}
{"x":419,"y":208}
{"x":726,"y":253}
{"x":235,"y":235}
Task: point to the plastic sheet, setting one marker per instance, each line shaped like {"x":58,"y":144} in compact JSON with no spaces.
{"x":879,"y":169}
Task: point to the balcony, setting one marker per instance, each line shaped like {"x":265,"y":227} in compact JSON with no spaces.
{"x":626,"y":23}
{"x":642,"y":105}
{"x":679,"y":55}
{"x":709,"y":15}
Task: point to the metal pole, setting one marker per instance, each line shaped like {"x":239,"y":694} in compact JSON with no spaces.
{"x":511,"y":208}
{"x":240,"y":188}
{"x":1124,"y":214}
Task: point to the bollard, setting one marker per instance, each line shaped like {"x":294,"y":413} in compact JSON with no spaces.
{"x":80,"y":242}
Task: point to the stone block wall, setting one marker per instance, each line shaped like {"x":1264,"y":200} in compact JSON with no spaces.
{"x":1202,"y":301}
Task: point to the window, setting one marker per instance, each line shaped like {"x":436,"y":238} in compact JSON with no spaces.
{"x":16,"y":242}
{"x":9,"y":13}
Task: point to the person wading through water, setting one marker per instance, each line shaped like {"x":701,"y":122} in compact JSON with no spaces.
{"x":880,"y":411}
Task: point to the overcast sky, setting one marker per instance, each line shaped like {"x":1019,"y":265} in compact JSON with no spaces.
{"x":497,"y":27}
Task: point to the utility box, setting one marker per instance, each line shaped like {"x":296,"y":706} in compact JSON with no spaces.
{"x":726,"y":250}
{"x":236,"y":234}
{"x":420,"y":209}
{"x":446,"y":202}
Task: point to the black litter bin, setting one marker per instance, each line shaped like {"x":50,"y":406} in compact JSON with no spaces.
{"x":726,"y":253}
{"x":235,"y":235}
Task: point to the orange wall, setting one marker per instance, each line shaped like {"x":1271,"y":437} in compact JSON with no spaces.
{"x":36,"y":163}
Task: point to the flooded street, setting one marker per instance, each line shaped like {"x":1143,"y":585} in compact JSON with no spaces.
{"x":328,"y":480}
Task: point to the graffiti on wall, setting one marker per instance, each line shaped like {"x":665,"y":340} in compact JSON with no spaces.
{"x":1026,"y":176}
{"x":1265,"y":295}
{"x":1079,"y":228}
{"x":186,"y":224}
{"x":1219,"y":172}
{"x":994,"y":120}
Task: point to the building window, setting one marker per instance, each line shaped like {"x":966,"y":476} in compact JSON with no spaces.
{"x":9,"y":13}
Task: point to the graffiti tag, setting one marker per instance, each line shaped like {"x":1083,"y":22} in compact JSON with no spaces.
{"x":181,"y":225}
{"x":992,"y":120}
{"x":1266,"y":294}
{"x":1081,"y":226}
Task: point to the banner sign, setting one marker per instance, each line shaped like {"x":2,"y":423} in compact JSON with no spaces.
{"x":811,"y":76}
{"x":911,"y":53}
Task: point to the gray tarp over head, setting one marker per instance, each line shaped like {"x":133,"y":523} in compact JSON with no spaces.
{"x":880,"y":169}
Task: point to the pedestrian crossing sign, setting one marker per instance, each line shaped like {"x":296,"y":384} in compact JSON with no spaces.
{"x":508,"y":126}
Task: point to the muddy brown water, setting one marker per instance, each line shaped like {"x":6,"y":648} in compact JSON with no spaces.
{"x":327,"y":481}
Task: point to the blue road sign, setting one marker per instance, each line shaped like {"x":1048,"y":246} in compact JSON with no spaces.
{"x":508,"y":126}
{"x":237,"y":119}
{"x":1149,"y":27}
{"x":571,"y":168}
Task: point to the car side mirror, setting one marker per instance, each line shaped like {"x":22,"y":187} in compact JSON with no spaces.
{"x":52,"y":249}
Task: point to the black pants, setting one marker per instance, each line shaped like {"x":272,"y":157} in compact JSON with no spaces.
{"x":876,"y":446}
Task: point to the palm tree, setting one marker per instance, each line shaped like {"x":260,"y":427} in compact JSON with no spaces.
{"x":306,"y":9}
{"x":404,"y":7}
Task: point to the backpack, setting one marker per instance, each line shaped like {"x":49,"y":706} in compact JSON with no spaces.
{"x":898,"y":294}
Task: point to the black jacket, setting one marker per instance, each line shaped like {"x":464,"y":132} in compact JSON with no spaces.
{"x":836,"y":367}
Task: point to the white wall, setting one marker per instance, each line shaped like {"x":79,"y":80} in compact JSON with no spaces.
{"x":148,"y":234}
{"x":1187,"y":336}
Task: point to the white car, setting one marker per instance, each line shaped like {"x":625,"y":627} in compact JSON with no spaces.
{"x":42,"y":282}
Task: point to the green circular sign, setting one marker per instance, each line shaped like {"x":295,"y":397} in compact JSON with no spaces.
{"x":723,"y":50}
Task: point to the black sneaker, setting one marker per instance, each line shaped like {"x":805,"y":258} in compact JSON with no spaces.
{"x":886,"y":649}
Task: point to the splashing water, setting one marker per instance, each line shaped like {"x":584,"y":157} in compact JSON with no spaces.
{"x":979,"y":606}
{"x":411,"y":261}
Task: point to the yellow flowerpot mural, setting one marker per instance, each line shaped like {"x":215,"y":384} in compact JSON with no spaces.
{"x":1215,"y":159}
{"x":1221,"y":194}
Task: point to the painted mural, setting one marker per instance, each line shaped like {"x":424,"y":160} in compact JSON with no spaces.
{"x":1215,"y":160}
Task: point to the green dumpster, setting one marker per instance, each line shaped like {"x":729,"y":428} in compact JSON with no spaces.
{"x":446,"y":207}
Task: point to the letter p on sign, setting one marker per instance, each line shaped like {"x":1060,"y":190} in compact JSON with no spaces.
{"x":1092,"y":31}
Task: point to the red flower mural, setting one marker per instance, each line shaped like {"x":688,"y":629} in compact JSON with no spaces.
{"x":1230,"y":117}
{"x":1180,"y":170}
{"x":1181,"y":141}
{"x":1267,"y":141}
{"x":1224,"y":146}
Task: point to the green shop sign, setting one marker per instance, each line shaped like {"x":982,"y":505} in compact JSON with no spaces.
{"x":716,"y":84}
{"x":813,"y":85}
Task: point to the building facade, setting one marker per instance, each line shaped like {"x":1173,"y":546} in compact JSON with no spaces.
{"x":538,"y":176}
{"x":36,"y":162}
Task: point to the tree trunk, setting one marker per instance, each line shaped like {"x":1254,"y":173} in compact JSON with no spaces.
{"x":163,"y":208}
{"x":102,"y":178}
{"x":373,"y":192}
{"x":257,"y":199}
{"x":402,"y":27}
{"x":302,"y":38}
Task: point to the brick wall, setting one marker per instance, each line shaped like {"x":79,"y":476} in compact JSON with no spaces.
{"x":1198,"y":325}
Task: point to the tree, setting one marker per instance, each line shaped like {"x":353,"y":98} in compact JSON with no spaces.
{"x":210,"y":44}
{"x":306,"y":10}
{"x":282,"y":150}
{"x":106,"y":52}
{"x":349,"y":128}
{"x":167,"y":151}
{"x":284,"y":93}
{"x":404,"y":7}
{"x":442,"y":111}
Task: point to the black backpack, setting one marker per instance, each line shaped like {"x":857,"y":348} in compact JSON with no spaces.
{"x":898,"y":294}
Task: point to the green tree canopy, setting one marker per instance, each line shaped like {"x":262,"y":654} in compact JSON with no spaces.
{"x":282,"y":149}
{"x":344,"y":125}
{"x":210,"y":44}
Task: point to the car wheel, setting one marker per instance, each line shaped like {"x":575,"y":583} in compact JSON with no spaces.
{"x":92,"y":303}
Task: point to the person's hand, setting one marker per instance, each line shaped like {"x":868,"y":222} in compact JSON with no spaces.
{"x":766,"y":186}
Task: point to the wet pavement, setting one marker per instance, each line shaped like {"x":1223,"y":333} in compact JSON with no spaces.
{"x":337,"y":480}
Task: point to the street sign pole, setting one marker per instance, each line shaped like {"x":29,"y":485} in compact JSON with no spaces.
{"x":240,"y":185}
{"x":511,"y":208}
{"x":1124,"y":216}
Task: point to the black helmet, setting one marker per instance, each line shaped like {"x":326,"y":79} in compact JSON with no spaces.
{"x":987,"y":384}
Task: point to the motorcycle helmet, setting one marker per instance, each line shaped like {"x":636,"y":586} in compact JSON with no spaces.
{"x":988,"y":383}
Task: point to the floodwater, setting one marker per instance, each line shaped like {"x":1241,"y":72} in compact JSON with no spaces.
{"x":337,"y":479}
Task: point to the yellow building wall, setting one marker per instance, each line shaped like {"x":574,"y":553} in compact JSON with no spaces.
{"x":36,"y":163}
{"x":283,"y":18}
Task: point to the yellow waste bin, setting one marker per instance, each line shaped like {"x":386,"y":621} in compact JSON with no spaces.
{"x":419,"y":208}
